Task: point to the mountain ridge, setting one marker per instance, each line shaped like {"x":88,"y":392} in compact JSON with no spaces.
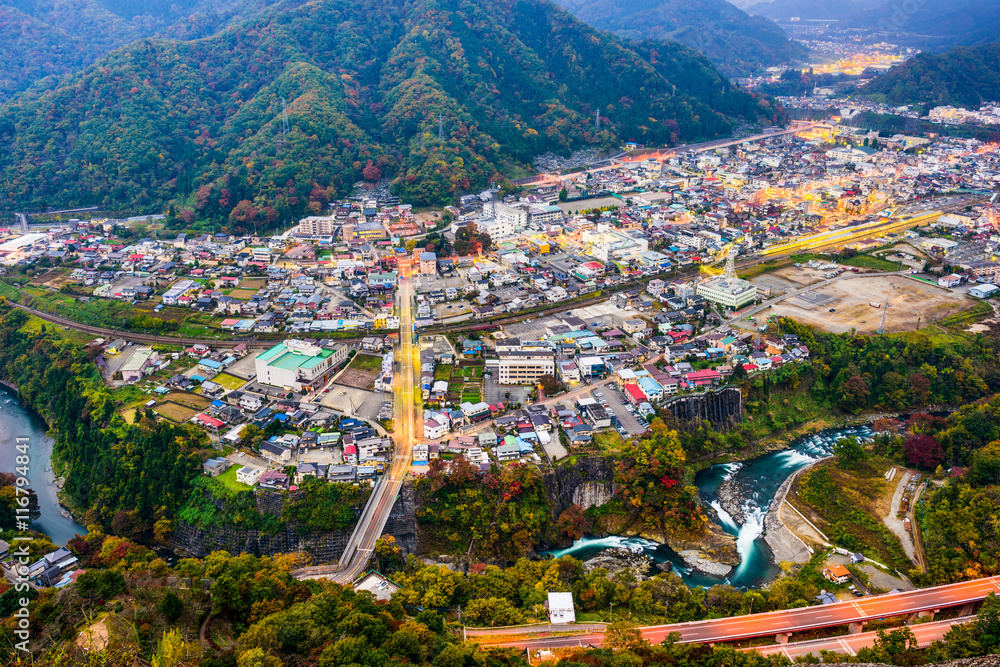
{"x":198,"y":123}
{"x":735,"y":41}
{"x":964,"y":76}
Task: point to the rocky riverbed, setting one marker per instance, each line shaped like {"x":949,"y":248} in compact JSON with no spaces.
{"x":732,"y":495}
{"x":695,"y":561}
{"x":619,"y":559}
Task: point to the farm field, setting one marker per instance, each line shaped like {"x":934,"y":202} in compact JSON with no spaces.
{"x":175,"y":412}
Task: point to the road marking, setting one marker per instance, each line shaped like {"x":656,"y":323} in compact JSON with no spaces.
{"x":846,"y":647}
{"x":860,"y":610}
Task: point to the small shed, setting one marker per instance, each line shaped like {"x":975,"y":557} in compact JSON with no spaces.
{"x":561,"y":608}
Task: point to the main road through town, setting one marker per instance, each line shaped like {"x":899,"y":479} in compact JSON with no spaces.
{"x":793,"y":620}
{"x":373,"y":519}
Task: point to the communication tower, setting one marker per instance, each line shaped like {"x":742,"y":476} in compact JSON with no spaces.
{"x":730,"y":272}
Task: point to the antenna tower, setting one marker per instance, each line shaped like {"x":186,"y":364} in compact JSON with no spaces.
{"x":597,"y":121}
{"x":284,"y":118}
{"x":730,"y":271}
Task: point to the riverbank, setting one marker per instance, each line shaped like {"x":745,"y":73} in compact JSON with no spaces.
{"x":786,"y":546}
{"x":20,"y":421}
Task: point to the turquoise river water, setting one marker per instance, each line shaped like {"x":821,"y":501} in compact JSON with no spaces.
{"x":762,"y":477}
{"x":16,"y":422}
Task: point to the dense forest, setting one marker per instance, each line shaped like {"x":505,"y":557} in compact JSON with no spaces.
{"x":200,"y":123}
{"x":253,"y":613}
{"x":965,"y":76}
{"x":130,"y":479}
{"x":737,"y":43}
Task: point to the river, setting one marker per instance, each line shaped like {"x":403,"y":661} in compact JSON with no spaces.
{"x":762,"y":476}
{"x":16,"y":422}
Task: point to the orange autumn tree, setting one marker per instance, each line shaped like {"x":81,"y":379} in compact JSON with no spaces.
{"x":649,"y":478}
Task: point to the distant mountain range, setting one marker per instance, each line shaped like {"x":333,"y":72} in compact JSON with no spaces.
{"x":735,"y":41}
{"x":200,"y":123}
{"x":55,"y":37}
{"x":933,"y":24}
{"x":964,"y":76}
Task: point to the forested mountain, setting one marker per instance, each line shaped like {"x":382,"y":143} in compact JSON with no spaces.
{"x":964,"y":76}
{"x":56,"y":37}
{"x":737,"y":42}
{"x":200,"y":122}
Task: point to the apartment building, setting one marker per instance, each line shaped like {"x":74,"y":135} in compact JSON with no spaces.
{"x":525,"y":367}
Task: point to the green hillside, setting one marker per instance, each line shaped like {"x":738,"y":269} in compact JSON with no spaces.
{"x":41,"y":38}
{"x":735,"y":41}
{"x":199,"y":122}
{"x":964,"y":76}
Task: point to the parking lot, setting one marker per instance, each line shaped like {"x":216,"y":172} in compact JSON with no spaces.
{"x":356,"y":402}
{"x":629,"y":423}
{"x":244,"y":368}
{"x":493,"y":393}
{"x":329,"y":456}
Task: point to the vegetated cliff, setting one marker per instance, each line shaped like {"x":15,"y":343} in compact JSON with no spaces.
{"x":323,"y":547}
{"x":589,"y":483}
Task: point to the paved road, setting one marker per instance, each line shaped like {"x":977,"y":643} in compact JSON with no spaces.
{"x":373,"y":519}
{"x":664,"y":152}
{"x":540,"y":628}
{"x":926,"y":634}
{"x":795,"y":620}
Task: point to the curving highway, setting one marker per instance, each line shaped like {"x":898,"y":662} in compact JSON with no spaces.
{"x":925,"y":633}
{"x":795,"y":620}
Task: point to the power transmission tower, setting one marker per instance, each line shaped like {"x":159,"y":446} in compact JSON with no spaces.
{"x":885,"y":311}
{"x":440,"y":127}
{"x":284,"y":118}
{"x":597,"y":121}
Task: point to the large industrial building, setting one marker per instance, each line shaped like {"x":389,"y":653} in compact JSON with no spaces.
{"x":729,"y":292}
{"x":298,"y":364}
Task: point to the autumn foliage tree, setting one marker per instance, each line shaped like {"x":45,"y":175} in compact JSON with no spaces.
{"x":648,"y":478}
{"x":923,"y":451}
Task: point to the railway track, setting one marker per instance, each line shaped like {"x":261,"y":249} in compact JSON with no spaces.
{"x":149,"y":338}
